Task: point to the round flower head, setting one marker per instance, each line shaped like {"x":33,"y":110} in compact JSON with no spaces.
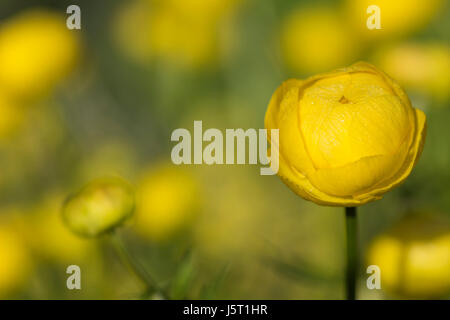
{"x":99,"y":207}
{"x":167,"y":201}
{"x":36,"y":51}
{"x":319,"y":28}
{"x":414,"y":258}
{"x":345,"y":137}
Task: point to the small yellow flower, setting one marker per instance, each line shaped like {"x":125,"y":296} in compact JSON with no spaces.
{"x":51,"y":239}
{"x":316,"y":40}
{"x":14,"y":260}
{"x":345,"y":137}
{"x":419,"y":67}
{"x":167,"y":201}
{"x":36,"y":51}
{"x":398,"y":18}
{"x":99,"y":207}
{"x":414,"y":258}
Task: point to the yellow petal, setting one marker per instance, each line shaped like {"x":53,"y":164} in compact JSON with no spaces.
{"x":350,"y":117}
{"x":415,"y":150}
{"x":283,"y":115}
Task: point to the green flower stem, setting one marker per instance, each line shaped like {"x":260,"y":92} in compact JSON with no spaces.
{"x":352,"y":259}
{"x":135,"y":269}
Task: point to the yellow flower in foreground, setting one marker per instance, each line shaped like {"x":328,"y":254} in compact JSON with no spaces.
{"x":99,"y":207}
{"x":345,"y":137}
{"x":36,"y":51}
{"x":397,"y":18}
{"x":414,"y":258}
{"x":167,"y":201}
{"x":14,"y":260}
{"x":419,"y":67}
{"x":316,"y":40}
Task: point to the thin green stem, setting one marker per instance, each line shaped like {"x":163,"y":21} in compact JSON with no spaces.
{"x":150,"y":285}
{"x":352,"y":258}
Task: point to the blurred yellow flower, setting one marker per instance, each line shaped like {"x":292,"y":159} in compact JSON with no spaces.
{"x":414,"y":258}
{"x":50,"y":239}
{"x":167,"y":201}
{"x":36,"y":51}
{"x":184,"y":32}
{"x":419,"y":67}
{"x":316,"y":40}
{"x":15,"y":263}
{"x":346,"y":137}
{"x":399,"y":17}
{"x":99,"y":207}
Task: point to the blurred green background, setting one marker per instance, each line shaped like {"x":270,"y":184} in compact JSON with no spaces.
{"x":76,"y":105}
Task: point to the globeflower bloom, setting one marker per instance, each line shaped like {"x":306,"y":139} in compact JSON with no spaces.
{"x":419,"y":67}
{"x":183,"y":33}
{"x":36,"y":51}
{"x":50,"y":238}
{"x":167,"y":202}
{"x":316,"y":40}
{"x":397,"y":18}
{"x":345,"y":137}
{"x":414,"y":258}
{"x":99,"y":207}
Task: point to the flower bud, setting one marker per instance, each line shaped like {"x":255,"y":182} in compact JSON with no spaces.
{"x":345,"y":137}
{"x":99,"y":207}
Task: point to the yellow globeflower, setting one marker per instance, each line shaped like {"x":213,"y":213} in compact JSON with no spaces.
{"x":14,"y":260}
{"x":419,"y":67}
{"x":36,"y":51}
{"x":99,"y":207}
{"x":181,"y":32}
{"x":414,"y":258}
{"x":316,"y":40}
{"x":397,"y":18}
{"x":167,"y":201}
{"x":49,"y":237}
{"x":345,"y":137}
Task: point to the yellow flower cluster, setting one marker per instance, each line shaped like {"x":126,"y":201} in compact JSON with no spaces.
{"x":398,"y":18}
{"x":414,"y":258}
{"x":318,"y":38}
{"x":345,"y":137}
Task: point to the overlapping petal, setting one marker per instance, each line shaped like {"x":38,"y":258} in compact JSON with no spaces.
{"x":346,"y":137}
